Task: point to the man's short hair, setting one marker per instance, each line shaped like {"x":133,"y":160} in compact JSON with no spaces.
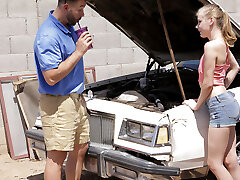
{"x":65,"y":1}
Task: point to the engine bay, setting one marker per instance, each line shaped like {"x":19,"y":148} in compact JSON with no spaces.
{"x":156,"y":90}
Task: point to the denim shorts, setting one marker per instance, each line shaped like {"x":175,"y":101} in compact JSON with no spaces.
{"x":224,"y":110}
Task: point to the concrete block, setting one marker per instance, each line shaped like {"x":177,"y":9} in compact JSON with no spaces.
{"x":94,"y":13}
{"x":16,"y":73}
{"x":22,"y":44}
{"x":32,"y":26}
{"x":12,"y":26}
{"x":31,"y":62}
{"x":238,"y":6}
{"x":13,"y":63}
{"x":107,"y":40}
{"x":4,"y":45}
{"x":41,"y":20}
{"x":126,"y":42}
{"x":3,"y":8}
{"x":22,"y":8}
{"x":228,"y":7}
{"x":45,"y":6}
{"x":120,"y":56}
{"x":236,"y":17}
{"x":111,"y":28}
{"x":114,"y":56}
{"x":133,"y":68}
{"x":139,"y":55}
{"x":94,"y":24}
{"x":88,"y":11}
{"x":106,"y":72}
{"x":95,"y":57}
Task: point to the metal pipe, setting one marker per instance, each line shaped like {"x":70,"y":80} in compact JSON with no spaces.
{"x":170,"y":48}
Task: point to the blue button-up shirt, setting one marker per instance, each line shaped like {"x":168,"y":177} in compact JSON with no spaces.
{"x":53,"y":44}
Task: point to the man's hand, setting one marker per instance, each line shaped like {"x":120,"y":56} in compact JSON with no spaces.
{"x":53,"y":76}
{"x":84,"y":41}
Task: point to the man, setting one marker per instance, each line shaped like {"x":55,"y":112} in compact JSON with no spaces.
{"x":58,"y":54}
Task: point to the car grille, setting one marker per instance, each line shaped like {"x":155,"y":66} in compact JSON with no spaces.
{"x":101,"y":127}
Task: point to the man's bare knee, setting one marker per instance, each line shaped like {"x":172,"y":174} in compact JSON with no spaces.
{"x":57,"y":157}
{"x":83,"y":149}
{"x":79,"y":150}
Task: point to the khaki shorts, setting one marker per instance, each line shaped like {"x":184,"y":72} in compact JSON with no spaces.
{"x":64,"y":121}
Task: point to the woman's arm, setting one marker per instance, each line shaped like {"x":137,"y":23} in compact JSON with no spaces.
{"x":210,"y":56}
{"x":233,"y":70}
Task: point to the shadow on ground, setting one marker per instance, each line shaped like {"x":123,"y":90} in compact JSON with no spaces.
{"x":92,"y":176}
{"x":85,"y":176}
{"x":36,"y":177}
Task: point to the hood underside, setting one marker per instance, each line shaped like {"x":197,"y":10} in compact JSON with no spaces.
{"x":141,"y":22}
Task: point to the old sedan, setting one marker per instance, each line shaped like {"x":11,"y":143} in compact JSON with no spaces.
{"x":141,"y":130}
{"x":139,"y":127}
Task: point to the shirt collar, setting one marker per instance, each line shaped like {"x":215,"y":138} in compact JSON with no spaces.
{"x":58,"y":23}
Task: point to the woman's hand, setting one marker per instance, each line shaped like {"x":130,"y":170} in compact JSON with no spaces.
{"x":191,"y":103}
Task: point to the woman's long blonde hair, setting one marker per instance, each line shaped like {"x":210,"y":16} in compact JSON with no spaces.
{"x":223,"y":21}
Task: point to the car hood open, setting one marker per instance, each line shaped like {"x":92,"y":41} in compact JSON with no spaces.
{"x":141,"y":22}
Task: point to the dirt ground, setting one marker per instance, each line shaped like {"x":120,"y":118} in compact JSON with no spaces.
{"x":20,"y":169}
{"x":26,"y":169}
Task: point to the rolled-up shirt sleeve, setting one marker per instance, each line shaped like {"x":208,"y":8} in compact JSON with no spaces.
{"x":49,"y":54}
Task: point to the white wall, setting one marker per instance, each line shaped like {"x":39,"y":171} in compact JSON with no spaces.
{"x":20,"y":20}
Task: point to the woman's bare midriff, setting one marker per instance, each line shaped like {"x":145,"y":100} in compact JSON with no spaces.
{"x":217,"y":90}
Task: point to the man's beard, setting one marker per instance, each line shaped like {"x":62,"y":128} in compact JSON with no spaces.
{"x":71,"y":19}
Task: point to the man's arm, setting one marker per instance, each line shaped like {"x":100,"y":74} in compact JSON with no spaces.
{"x":53,"y":76}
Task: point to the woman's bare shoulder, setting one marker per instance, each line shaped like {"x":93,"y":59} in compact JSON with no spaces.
{"x":214,"y":46}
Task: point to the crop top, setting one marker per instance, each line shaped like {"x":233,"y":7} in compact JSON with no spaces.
{"x":219,"y":72}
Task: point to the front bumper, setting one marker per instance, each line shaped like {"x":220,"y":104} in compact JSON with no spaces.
{"x":111,"y":162}
{"x":106,"y":162}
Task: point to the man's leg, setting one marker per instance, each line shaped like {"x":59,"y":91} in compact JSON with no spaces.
{"x":75,"y":162}
{"x":54,"y":163}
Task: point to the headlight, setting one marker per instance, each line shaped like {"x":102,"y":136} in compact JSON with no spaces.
{"x":133,"y":129}
{"x":142,"y":133}
{"x":148,"y":132}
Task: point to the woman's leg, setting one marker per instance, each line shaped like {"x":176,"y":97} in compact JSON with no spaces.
{"x":217,"y":145}
{"x":231,"y":161}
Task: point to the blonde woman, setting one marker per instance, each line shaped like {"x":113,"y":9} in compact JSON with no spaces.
{"x":217,"y":70}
